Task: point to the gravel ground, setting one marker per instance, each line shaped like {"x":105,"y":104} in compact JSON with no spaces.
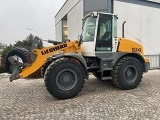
{"x":99,"y":100}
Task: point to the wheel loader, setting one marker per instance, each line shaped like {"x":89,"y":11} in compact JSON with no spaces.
{"x":66,"y":65}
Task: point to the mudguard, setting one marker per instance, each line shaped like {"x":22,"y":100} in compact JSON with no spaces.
{"x":78,"y":56}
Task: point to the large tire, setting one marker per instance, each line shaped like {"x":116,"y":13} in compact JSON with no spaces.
{"x":127,"y":73}
{"x":21,"y":53}
{"x":44,"y":67}
{"x":64,"y":78}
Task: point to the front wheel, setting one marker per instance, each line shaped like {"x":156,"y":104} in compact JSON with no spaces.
{"x":64,"y":78}
{"x":127,"y":73}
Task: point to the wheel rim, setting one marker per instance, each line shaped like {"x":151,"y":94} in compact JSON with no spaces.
{"x":130,"y":73}
{"x":66,"y":79}
{"x":11,"y":68}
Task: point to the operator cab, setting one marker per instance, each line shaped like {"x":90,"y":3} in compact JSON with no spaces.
{"x":99,"y":33}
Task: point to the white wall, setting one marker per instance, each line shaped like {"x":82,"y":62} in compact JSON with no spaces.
{"x":58,"y":31}
{"x":142,"y":22}
{"x":65,"y":9}
{"x":75,"y":21}
{"x":74,"y":11}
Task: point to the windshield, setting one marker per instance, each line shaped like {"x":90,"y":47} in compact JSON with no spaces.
{"x":89,"y":29}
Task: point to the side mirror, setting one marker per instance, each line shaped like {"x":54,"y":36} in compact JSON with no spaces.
{"x":80,"y":40}
{"x":79,"y":37}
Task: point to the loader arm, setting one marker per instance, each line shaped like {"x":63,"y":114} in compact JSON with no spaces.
{"x":41,"y":57}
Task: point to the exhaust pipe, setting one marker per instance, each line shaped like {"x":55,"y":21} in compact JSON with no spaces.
{"x":123,"y":29}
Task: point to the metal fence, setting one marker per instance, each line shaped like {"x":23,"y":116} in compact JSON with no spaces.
{"x":154,"y":61}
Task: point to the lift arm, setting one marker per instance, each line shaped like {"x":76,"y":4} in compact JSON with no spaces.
{"x":41,"y":58}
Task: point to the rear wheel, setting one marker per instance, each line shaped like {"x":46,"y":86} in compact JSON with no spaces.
{"x":127,"y":73}
{"x":64,"y":78}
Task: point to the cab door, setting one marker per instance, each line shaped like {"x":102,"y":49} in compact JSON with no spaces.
{"x":104,"y":33}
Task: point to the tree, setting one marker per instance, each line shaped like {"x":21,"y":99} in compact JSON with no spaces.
{"x":4,"y":52}
{"x":27,"y":43}
{"x":2,"y":60}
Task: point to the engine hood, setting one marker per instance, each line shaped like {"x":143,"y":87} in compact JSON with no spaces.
{"x":128,"y":45}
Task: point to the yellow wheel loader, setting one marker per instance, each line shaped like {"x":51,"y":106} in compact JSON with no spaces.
{"x":65,"y":65}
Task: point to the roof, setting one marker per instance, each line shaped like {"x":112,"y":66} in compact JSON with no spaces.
{"x":156,"y":1}
{"x":153,"y":1}
{"x":61,"y":8}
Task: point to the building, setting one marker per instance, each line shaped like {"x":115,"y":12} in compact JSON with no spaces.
{"x":142,"y":18}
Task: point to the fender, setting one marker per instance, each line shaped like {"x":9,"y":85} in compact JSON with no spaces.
{"x":78,"y":56}
{"x":112,"y":58}
{"x":143,"y":60}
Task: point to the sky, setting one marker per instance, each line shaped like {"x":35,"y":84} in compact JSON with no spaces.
{"x":17,"y":15}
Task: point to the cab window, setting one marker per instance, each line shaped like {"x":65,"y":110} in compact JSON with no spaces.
{"x":104,"y":33}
